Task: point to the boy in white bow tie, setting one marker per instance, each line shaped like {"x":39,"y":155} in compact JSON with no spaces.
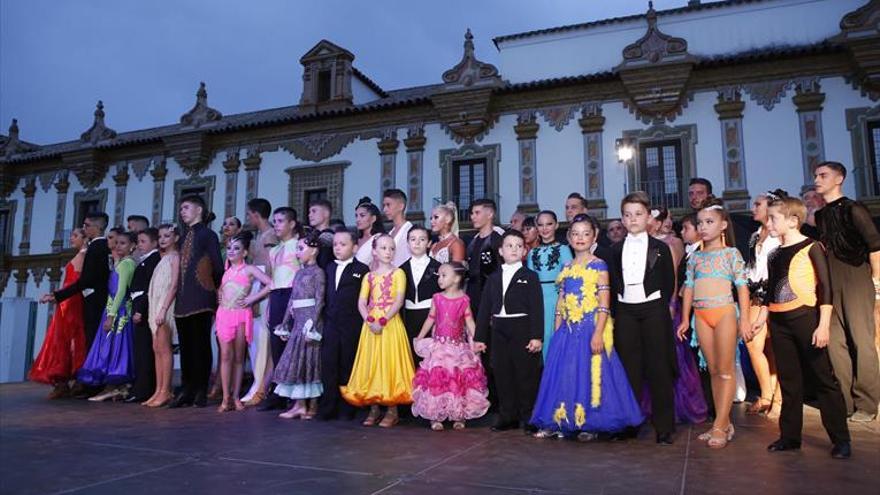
{"x":512,"y":305}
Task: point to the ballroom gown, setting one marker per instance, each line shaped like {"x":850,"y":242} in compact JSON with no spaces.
{"x":64,"y":348}
{"x":547,"y":260}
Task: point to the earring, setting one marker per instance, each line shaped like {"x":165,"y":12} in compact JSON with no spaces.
{"x":723,"y":239}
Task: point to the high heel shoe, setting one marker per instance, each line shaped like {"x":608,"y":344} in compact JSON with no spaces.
{"x":717,"y":442}
{"x":760,"y":406}
{"x":294,"y":413}
{"x":371,"y":419}
{"x":389,"y":420}
{"x":436,"y":426}
{"x":256,"y":399}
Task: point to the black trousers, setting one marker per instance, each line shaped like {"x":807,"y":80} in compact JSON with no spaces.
{"x":791,"y":333}
{"x":517,"y":371}
{"x":339,"y":344}
{"x":144,"y":362}
{"x":93,"y":309}
{"x":194,"y":335}
{"x":278,"y":300}
{"x":644,"y":341}
{"x":413,"y":320}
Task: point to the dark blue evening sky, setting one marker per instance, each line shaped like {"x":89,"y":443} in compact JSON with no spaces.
{"x":145,"y":58}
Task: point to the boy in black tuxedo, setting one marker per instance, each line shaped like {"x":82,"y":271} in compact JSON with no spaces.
{"x":144,"y":361}
{"x":342,"y":324}
{"x":421,"y":284}
{"x":512,"y":305}
{"x":642,"y":282}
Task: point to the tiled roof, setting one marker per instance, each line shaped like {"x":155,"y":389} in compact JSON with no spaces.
{"x":616,"y":20}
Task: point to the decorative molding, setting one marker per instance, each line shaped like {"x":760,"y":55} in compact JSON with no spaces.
{"x":467,"y":130}
{"x":89,"y":171}
{"x":655,"y":72}
{"x":21,"y":278}
{"x":62,"y":184}
{"x":47,"y":179}
{"x":415,"y":156}
{"x":14,"y":145}
{"x":326,"y":57}
{"x":867,"y":179}
{"x":230,"y":167}
{"x":141,"y":167}
{"x":200,"y":114}
{"x":318,"y":147}
{"x":860,"y":33}
{"x":99,"y":195}
{"x":29,"y":189}
{"x":687,"y":136}
{"x":9,"y":206}
{"x":730,"y":111}
{"x":558,"y":117}
{"x":808,"y":102}
{"x":190,"y":151}
{"x":159,"y":172}
{"x":208,"y":182}
{"x":38,"y":272}
{"x":329,"y":176}
{"x":592,"y":124}
{"x":252,"y":172}
{"x":8,"y":180}
{"x":388,"y":160}
{"x":4,"y":280}
{"x":526,"y":131}
{"x":121,"y":180}
{"x":98,"y":131}
{"x":470,"y":72}
{"x":448,"y":157}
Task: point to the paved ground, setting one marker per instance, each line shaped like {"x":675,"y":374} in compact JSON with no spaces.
{"x":74,"y":446}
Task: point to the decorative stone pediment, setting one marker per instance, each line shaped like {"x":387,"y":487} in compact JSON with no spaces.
{"x":13,"y":145}
{"x":86,"y":166}
{"x":860,"y":32}
{"x":190,"y":151}
{"x":200,"y":113}
{"x":98,"y":131}
{"x":463,"y":103}
{"x":319,"y":147}
{"x":470,"y":72}
{"x":655,"y":71}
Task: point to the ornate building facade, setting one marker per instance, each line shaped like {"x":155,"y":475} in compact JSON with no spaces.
{"x":750,"y":94}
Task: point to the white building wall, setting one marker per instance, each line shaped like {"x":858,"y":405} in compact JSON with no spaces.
{"x":138,"y":197}
{"x":711,"y":32}
{"x":361,"y":93}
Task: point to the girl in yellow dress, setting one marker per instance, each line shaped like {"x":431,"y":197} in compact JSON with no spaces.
{"x":383,"y":367}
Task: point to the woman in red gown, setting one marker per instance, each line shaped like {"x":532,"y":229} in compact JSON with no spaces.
{"x":64,"y":348}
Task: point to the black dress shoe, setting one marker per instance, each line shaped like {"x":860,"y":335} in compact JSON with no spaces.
{"x":200,"y":399}
{"x":841,"y":450}
{"x":664,"y":438}
{"x":628,"y":433}
{"x":783,"y":444}
{"x":504,"y":426}
{"x":182,"y":400}
{"x":530,"y":429}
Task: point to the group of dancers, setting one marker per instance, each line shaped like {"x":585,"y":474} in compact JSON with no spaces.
{"x":568,"y":332}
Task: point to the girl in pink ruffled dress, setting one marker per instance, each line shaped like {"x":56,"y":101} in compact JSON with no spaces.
{"x":450,"y":383}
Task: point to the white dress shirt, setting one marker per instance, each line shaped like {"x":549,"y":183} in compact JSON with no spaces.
{"x":418,"y":266}
{"x":401,"y":250}
{"x":634,"y":260}
{"x":758,"y":271}
{"x":340,"y":267}
{"x":507,"y":272}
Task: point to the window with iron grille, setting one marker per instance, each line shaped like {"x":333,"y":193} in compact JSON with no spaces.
{"x":661,"y":174}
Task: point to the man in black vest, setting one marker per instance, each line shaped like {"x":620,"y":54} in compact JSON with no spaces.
{"x":342,"y":324}
{"x":144,"y":361}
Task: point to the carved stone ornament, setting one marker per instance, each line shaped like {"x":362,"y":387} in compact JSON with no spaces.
{"x":190,"y":151}
{"x":655,"y":72}
{"x":469,"y":71}
{"x":319,"y":146}
{"x":98,"y":131}
{"x":46,"y":180}
{"x":200,"y":113}
{"x":767,"y":93}
{"x":13,"y":145}
{"x":860,"y":32}
{"x":141,"y":167}
{"x":84,"y":164}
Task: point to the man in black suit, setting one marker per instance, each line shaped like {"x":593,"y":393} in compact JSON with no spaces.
{"x":421,"y":284}
{"x":642,"y":282}
{"x":144,"y":361}
{"x":95,"y":275}
{"x":342,"y":324}
{"x":512,"y":305}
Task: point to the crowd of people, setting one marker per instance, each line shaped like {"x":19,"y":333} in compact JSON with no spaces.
{"x":565,"y":331}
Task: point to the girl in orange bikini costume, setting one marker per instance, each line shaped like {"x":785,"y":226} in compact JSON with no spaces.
{"x":712,"y":274}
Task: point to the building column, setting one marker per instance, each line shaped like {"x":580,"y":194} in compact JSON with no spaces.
{"x":21,"y":279}
{"x":730,"y":112}
{"x":159,"y":172}
{"x":121,"y":180}
{"x":252,"y":171}
{"x":62,"y":184}
{"x":415,"y":155}
{"x":29,"y":189}
{"x":526,"y":129}
{"x":808,"y":101}
{"x":231,"y":166}
{"x":592,"y":123}
{"x":388,"y":161}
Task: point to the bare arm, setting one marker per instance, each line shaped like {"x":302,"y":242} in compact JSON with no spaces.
{"x":457,"y":251}
{"x":264,"y":279}
{"x":429,"y":322}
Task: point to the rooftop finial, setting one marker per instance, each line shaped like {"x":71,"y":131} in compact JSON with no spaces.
{"x":13,"y":129}
{"x":200,"y":113}
{"x":98,"y":131}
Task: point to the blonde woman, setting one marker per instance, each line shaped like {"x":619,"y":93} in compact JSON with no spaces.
{"x":444,"y":223}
